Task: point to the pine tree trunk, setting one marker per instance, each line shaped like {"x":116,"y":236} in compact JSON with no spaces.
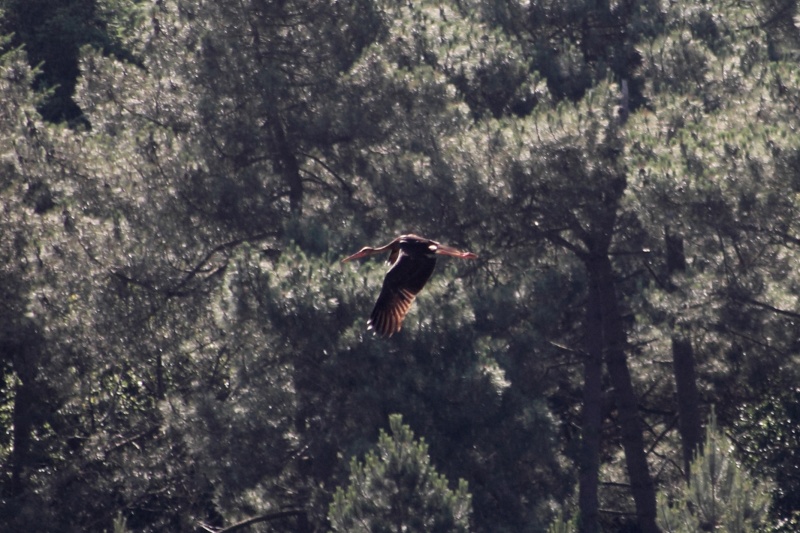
{"x":24,"y":356}
{"x":688,"y":398}
{"x":683,"y":366}
{"x":285,"y":159}
{"x":288,"y":165}
{"x":21,"y":439}
{"x":589,"y":465}
{"x":601,"y":273}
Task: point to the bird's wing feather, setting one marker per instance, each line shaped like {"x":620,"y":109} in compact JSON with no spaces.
{"x":400,"y":286}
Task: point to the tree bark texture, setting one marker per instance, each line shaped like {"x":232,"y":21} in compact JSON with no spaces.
{"x":683,"y":365}
{"x":24,"y":356}
{"x":688,"y":399}
{"x":288,"y":165}
{"x":589,"y":465}
{"x":601,"y":275}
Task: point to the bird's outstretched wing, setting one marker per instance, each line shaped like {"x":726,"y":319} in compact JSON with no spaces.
{"x":400,"y":286}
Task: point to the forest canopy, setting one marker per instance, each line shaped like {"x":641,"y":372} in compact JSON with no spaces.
{"x":181,"y":348}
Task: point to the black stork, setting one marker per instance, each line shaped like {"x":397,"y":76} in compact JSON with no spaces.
{"x":412,"y":258}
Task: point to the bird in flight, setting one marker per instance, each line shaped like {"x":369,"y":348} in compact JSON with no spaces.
{"x":412,"y":258}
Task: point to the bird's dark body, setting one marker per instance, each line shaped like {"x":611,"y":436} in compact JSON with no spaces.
{"x":411,"y":271}
{"x":407,"y":276}
{"x":413,"y":259}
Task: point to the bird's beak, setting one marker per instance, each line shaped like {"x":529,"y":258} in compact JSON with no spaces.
{"x":453,"y":252}
{"x":358,"y":255}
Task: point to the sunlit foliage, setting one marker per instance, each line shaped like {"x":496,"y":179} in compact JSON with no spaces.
{"x":181,"y":348}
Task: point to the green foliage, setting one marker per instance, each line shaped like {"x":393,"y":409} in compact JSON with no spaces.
{"x":561,"y":525}
{"x":52,"y":33}
{"x":396,"y":488}
{"x":179,"y":343}
{"x":722,"y":493}
{"x":119,"y":525}
{"x":769,"y":435}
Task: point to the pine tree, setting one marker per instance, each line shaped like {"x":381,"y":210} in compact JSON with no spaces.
{"x":706,"y":162}
{"x":721,"y":493}
{"x":397,"y":489}
{"x":28,"y":221}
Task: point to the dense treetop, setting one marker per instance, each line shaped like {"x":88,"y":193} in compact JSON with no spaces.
{"x":182,"y":350}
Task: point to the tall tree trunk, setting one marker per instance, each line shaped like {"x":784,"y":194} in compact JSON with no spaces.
{"x":24,"y":357}
{"x":285,"y":158}
{"x":21,"y":438}
{"x":288,"y":165}
{"x":688,"y":398}
{"x":589,"y":462}
{"x":683,"y":365}
{"x":601,"y":273}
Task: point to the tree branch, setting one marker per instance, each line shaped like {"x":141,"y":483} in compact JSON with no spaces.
{"x":764,"y":305}
{"x":254,"y":520}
